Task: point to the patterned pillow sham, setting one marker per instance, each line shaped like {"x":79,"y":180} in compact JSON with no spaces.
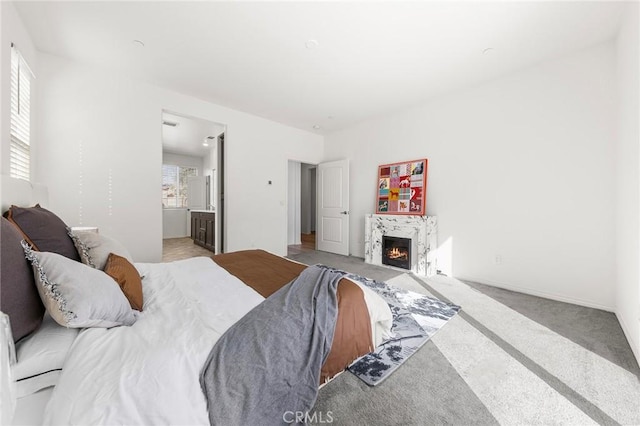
{"x":76,"y":295}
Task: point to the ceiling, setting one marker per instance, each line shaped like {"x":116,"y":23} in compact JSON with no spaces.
{"x":369,"y":58}
{"x":187,"y":136}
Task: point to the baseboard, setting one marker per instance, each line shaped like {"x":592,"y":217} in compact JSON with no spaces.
{"x":532,"y":292}
{"x":635,"y":345}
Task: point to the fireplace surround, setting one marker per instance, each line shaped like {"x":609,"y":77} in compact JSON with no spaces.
{"x":422,"y":230}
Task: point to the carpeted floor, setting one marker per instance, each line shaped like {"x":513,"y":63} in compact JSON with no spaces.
{"x":507,"y":358}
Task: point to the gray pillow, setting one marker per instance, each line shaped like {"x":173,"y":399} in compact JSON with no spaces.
{"x":77,"y":295}
{"x":94,"y":248}
{"x":19,"y":296}
{"x":43,"y":230}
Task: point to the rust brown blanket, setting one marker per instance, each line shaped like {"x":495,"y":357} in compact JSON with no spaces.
{"x":266,"y":273}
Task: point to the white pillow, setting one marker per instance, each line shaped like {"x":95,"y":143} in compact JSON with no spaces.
{"x":77,"y":295}
{"x":41,"y":357}
{"x":94,"y":248}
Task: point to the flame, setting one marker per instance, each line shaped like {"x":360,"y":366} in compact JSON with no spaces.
{"x":396,"y":253}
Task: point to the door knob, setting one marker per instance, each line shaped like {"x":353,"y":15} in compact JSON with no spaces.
{"x":344,"y":212}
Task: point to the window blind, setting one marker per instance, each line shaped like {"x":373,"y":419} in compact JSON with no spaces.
{"x":20,"y":149}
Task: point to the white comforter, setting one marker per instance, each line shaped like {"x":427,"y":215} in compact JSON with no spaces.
{"x":149,"y":373}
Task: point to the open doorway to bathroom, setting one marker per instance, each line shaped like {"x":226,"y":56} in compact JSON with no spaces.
{"x":192,"y":186}
{"x":301,"y":215}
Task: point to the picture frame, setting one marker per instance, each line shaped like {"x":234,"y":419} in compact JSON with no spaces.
{"x":402,"y":188}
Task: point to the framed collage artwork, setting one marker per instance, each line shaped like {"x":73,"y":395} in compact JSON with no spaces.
{"x":402,"y":188}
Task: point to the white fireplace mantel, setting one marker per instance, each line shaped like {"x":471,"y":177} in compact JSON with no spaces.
{"x":421,"y":229}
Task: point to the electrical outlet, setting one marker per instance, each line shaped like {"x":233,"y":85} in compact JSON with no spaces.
{"x":497,"y":259}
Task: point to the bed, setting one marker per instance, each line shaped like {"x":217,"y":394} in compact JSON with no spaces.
{"x":146,"y":365}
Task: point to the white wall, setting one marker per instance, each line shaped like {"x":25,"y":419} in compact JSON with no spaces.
{"x":628,"y":180}
{"x":12,"y":30}
{"x":4,"y":89}
{"x":102,"y":156}
{"x":305,"y":198}
{"x":293,"y":203}
{"x":209,"y":163}
{"x":184,"y":161}
{"x":175,"y":221}
{"x":313,"y":197}
{"x":521,"y":168}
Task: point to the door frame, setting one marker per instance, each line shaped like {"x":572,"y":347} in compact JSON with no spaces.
{"x":295,"y":203}
{"x":220,"y":225}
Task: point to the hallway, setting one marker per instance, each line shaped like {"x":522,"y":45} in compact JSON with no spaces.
{"x":308,"y":244}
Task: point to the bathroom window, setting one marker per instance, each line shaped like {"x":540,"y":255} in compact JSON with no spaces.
{"x":175,"y":185}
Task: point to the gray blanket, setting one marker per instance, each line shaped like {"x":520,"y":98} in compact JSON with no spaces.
{"x":266,"y":367}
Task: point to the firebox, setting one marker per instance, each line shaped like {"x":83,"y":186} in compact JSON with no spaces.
{"x":396,"y":252}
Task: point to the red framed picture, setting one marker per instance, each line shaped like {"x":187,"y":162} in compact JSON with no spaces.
{"x":402,"y":188}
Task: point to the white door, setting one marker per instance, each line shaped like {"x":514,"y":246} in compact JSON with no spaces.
{"x":197,"y":193}
{"x":333,"y":207}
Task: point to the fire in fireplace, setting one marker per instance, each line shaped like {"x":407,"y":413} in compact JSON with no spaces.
{"x":396,"y":251}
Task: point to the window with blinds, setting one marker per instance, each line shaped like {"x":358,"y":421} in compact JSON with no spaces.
{"x":175,"y":185}
{"x":20,"y":152}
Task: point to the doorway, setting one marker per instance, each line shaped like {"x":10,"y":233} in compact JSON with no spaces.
{"x":192,"y":181}
{"x":301,"y":223}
